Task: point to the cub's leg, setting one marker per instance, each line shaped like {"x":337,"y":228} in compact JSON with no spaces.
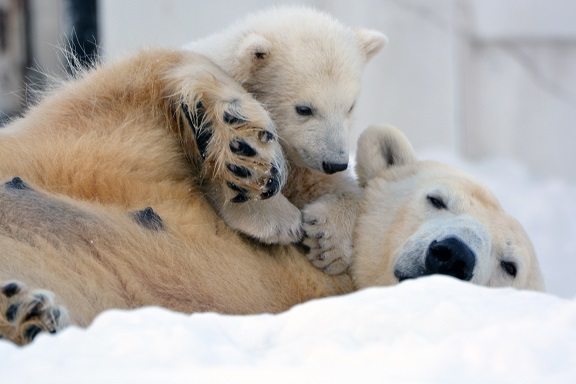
{"x":233,"y":141}
{"x":25,"y":313}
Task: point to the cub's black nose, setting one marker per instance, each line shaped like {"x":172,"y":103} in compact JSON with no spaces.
{"x":452,"y":257}
{"x":331,"y":168}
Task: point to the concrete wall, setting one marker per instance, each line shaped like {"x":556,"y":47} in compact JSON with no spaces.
{"x":12,"y":56}
{"x":481,"y":78}
{"x":478,"y":77}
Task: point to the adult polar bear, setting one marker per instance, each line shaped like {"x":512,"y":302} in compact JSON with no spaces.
{"x":79,"y":169}
{"x":304,"y":67}
{"x":79,"y":241}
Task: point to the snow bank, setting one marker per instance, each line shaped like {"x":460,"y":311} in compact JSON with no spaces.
{"x":434,"y":329}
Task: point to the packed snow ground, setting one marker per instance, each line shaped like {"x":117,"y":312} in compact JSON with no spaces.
{"x":432,"y":330}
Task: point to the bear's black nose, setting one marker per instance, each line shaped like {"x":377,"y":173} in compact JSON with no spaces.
{"x":331,"y":168}
{"x":452,"y":257}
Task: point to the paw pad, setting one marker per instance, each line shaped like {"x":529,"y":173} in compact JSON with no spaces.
{"x":24,"y":314}
{"x":239,"y":170}
{"x":11,"y":289}
{"x":241,"y":148}
{"x":265,"y":136}
{"x":230,"y":119}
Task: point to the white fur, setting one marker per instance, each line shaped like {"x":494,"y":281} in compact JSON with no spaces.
{"x":308,"y":58}
{"x":292,"y":57}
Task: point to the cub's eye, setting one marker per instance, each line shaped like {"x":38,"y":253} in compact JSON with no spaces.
{"x":509,"y":267}
{"x":303,"y":110}
{"x":436,"y":202}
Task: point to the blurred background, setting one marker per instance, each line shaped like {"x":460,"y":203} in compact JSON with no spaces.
{"x":473,"y":80}
{"x":477,"y":77}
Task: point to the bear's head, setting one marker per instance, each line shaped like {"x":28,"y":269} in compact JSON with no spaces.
{"x":305,"y":68}
{"x":421,"y":218}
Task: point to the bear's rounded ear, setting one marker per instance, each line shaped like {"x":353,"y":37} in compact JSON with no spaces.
{"x":252,"y":53}
{"x":371,"y":42}
{"x":379,"y":149}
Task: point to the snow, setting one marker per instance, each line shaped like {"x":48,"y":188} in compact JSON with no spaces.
{"x":432,"y":330}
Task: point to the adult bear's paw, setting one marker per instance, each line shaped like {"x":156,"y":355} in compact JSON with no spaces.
{"x":24,"y":313}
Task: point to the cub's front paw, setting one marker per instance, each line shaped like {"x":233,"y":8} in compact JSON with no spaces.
{"x":237,"y":144}
{"x":328,"y":229}
{"x":24,"y":313}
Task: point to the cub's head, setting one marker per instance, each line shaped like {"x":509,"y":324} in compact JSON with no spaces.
{"x":305,"y":67}
{"x":424,"y":218}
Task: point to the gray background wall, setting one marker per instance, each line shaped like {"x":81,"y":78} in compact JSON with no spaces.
{"x":481,"y":78}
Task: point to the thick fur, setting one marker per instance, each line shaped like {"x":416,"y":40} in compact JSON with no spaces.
{"x":291,"y":58}
{"x":79,"y":171}
{"x":103,"y":204}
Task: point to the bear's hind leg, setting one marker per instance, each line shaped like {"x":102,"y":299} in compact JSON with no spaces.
{"x":25,"y":313}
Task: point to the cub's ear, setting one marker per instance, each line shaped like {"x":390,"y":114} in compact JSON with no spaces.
{"x":252,"y":53}
{"x":371,"y":42}
{"x":379,"y":149}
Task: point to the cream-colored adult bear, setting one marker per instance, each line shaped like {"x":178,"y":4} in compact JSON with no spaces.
{"x":100,"y":205}
{"x":416,"y":219}
{"x":305,"y":68}
{"x":80,"y":171}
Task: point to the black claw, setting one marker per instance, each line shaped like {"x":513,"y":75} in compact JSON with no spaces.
{"x":17,"y":183}
{"x":10,"y":289}
{"x":265,"y":136}
{"x":32,"y":331}
{"x":241,"y":148}
{"x":272,"y":187}
{"x":239,"y":170}
{"x":236,"y":188}
{"x":239,"y":198}
{"x":11,"y":312}
{"x":149,"y":219}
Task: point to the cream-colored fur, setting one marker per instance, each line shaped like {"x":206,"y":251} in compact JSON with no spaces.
{"x":79,"y":170}
{"x":291,"y":58}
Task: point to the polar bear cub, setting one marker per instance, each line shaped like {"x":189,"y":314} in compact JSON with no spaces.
{"x":305,"y":68}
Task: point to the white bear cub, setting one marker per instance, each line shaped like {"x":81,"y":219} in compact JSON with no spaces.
{"x":305,"y":68}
